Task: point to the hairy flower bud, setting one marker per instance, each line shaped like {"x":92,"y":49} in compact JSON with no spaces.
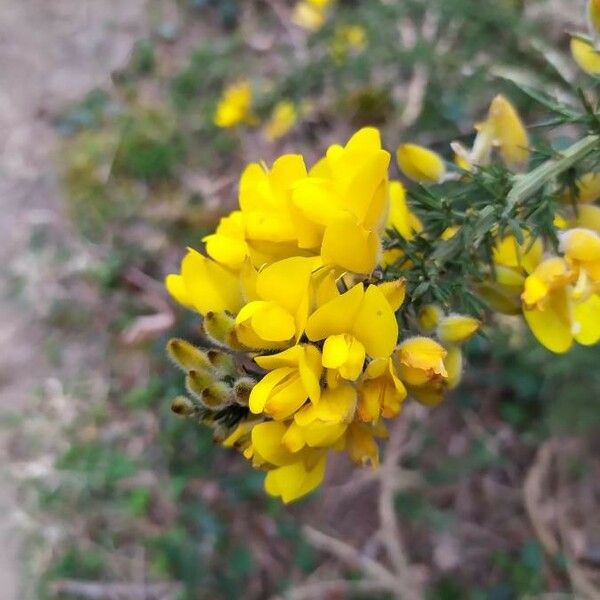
{"x":186,"y":356}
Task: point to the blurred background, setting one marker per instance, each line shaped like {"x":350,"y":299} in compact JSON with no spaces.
{"x":111,"y":164}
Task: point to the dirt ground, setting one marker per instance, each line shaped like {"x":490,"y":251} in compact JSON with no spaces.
{"x":50,"y":53}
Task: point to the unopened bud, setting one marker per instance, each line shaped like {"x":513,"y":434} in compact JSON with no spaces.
{"x":216,"y":395}
{"x":429,"y":317}
{"x":241,"y":390}
{"x":183,"y":406}
{"x":457,"y":329}
{"x":222,"y":361}
{"x":219,"y":327}
{"x":186,"y":356}
{"x":197,"y":381}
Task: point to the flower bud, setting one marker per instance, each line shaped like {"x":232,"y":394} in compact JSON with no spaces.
{"x":183,"y":406}
{"x":242,"y":389}
{"x":420,"y":164}
{"x":216,"y":395}
{"x":454,"y":366}
{"x":186,"y":356}
{"x":222,"y":362}
{"x":586,"y":56}
{"x":197,"y":381}
{"x":429,"y":317}
{"x":457,"y":329}
{"x":219,"y":327}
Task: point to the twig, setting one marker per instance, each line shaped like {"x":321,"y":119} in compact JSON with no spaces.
{"x":391,"y":536}
{"x":350,"y":556}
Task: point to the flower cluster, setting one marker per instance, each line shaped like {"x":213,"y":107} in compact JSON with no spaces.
{"x":310,"y":358}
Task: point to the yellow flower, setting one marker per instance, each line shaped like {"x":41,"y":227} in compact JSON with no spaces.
{"x":346,"y":39}
{"x":360,"y":443}
{"x":420,"y":361}
{"x":235,"y":105}
{"x":265,"y":197}
{"x":560,"y":301}
{"x":321,"y":425}
{"x":291,"y":475}
{"x":282,"y":120}
{"x":381,"y":391}
{"x":310,"y":14}
{"x":504,"y":129}
{"x":586,"y":56}
{"x":293,"y":378}
{"x":526,"y":256}
{"x":279,"y":314}
{"x":353,"y":325}
{"x":457,"y":329}
{"x":204,"y":285}
{"x":420,"y":164}
{"x":344,"y":203}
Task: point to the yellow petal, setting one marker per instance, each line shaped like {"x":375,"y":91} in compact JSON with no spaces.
{"x":375,"y":325}
{"x":266,"y":440}
{"x":420,"y":164}
{"x":585,"y":56}
{"x":263,"y":389}
{"x":552,"y":326}
{"x":292,"y":482}
{"x":286,"y":398}
{"x":336,"y":350}
{"x":587,"y":319}
{"x":336,"y":316}
{"x":394,"y":292}
{"x":311,"y":368}
{"x":400,"y":216}
{"x":286,"y":282}
{"x":348,"y":245}
{"x":176,"y":287}
{"x":273,"y":323}
{"x":209,"y":286}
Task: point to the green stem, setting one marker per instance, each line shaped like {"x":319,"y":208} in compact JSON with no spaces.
{"x":534,"y":181}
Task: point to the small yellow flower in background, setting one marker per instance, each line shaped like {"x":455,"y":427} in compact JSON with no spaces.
{"x":282,"y":120}
{"x":420,"y":164}
{"x":503,"y":129}
{"x":586,"y":56}
{"x":235,"y":106}
{"x":348,"y":39}
{"x":311,"y":14}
